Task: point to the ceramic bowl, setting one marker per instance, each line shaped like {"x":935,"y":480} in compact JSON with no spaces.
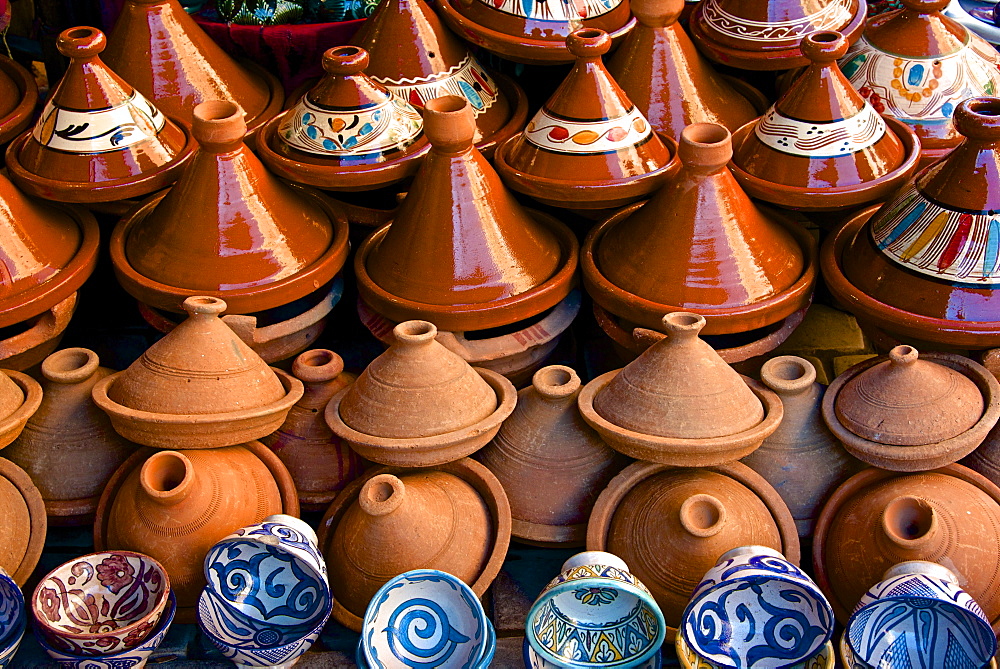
{"x":102,"y":603}
{"x":13,"y":618}
{"x":755,"y":609}
{"x":595,"y":614}
{"x":850,"y":661}
{"x":533,"y":661}
{"x":826,"y":658}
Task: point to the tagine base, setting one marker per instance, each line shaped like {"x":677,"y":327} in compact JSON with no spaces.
{"x":20,"y":117}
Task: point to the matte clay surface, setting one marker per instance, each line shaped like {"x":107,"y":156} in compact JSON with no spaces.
{"x":23,"y":525}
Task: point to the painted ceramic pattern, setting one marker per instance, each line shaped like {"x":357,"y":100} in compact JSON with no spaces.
{"x":390,"y":126}
{"x":833,"y":16}
{"x":922,"y":586}
{"x":821,"y":660}
{"x":558,"y":12}
{"x":99,"y":131}
{"x":533,"y":661}
{"x":13,"y":618}
{"x":300,"y":543}
{"x":922,"y":90}
{"x":468,"y":79}
{"x":821,"y":140}
{"x":553,"y":133}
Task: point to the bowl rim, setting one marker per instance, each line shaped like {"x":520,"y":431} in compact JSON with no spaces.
{"x":222,"y":644}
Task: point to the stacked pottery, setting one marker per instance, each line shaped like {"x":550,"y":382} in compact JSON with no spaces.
{"x":13,"y":618}
{"x":19,"y":93}
{"x":23,"y":526}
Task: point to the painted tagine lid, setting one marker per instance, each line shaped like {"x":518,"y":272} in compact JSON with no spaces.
{"x":679,"y":403}
{"x":926,"y":266}
{"x":158,"y":48}
{"x":589,"y":146}
{"x":19,"y":93}
{"x":916,"y":64}
{"x":822,"y":145}
{"x":347,"y":132}
{"x":417,"y":58}
{"x":23,"y":523}
{"x":454,"y":518}
{"x":98,"y":139}
{"x":768,"y":34}
{"x":251,"y":239}
{"x":753,"y":268}
{"x":495,"y":262}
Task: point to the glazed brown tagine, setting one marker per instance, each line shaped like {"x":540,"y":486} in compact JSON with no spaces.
{"x":19,"y":93}
{"x":98,"y":139}
{"x":925,"y":266}
{"x":822,"y":146}
{"x":589,"y":146}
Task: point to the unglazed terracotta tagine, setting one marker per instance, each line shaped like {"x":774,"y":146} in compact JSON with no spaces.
{"x":318,"y":460}
{"x":878,"y":519}
{"x":589,"y":146}
{"x":670,"y":525}
{"x":68,"y":446}
{"x":251,"y":239}
{"x":418,"y":404}
{"x":822,"y":146}
{"x":926,"y":266}
{"x":198,"y":387}
{"x":736,"y":265}
{"x":495,"y":263}
{"x":768,"y":34}
{"x":454,"y":518}
{"x":916,"y":64}
{"x":22,"y":523}
{"x":37,"y":337}
{"x":679,"y":403}
{"x":19,"y":93}
{"x":20,"y":397}
{"x":347,"y":132}
{"x":418,"y":59}
{"x":162,"y":51}
{"x":98,"y":139}
{"x":551,"y":464}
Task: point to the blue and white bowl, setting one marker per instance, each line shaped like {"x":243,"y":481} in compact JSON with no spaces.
{"x":756,"y":610}
{"x":484,"y":663}
{"x":13,"y":618}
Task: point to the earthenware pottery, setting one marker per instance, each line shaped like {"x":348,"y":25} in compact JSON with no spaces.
{"x":68,"y":446}
{"x":19,"y":93}
{"x":22,"y":523}
{"x":496,"y":262}
{"x":347,"y":132}
{"x":912,"y":412}
{"x":679,"y":403}
{"x":533,"y":660}
{"x":283,"y":536}
{"x":756,"y":609}
{"x":672,"y":84}
{"x":926,"y":265}
{"x":589,"y":146}
{"x":198,"y":387}
{"x":916,"y":64}
{"x":551,"y":464}
{"x":20,"y":397}
{"x":753,"y":269}
{"x":253,"y":241}
{"x":595,"y":613}
{"x":34,"y":339}
{"x":878,"y":518}
{"x":160,"y":50}
{"x":484,"y":663}
{"x":802,"y":460}
{"x":454,"y":518}
{"x":98,"y":139}
{"x":174,"y":506}
{"x":919,"y":615}
{"x":822,"y":146}
{"x":671,"y":525}
{"x":986,"y":458}
{"x":768,"y":34}
{"x":417,"y":58}
{"x":418,"y":404}
{"x":13,"y":618}
{"x":826,"y":658}
{"x":318,"y":460}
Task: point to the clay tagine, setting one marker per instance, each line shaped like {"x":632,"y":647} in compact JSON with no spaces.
{"x":98,"y":139}
{"x":916,"y":64}
{"x":822,"y":146}
{"x":418,"y":404}
{"x":495,"y":262}
{"x":23,"y":525}
{"x":925,"y":267}
{"x":589,"y":146}
{"x":736,"y":265}
{"x":29,"y":343}
{"x":679,"y":403}
{"x":19,"y":93}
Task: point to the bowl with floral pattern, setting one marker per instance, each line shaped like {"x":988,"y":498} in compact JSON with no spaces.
{"x":102,"y":603}
{"x":595,"y":614}
{"x":13,"y":618}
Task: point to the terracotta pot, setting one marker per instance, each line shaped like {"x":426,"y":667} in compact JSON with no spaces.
{"x":588,"y":147}
{"x":496,"y":263}
{"x":550,"y":463}
{"x":19,"y":92}
{"x":752,"y":270}
{"x":319,"y":462}
{"x":20,"y":397}
{"x":68,"y":446}
{"x":671,"y":525}
{"x":453,"y":518}
{"x":802,"y":460}
{"x":877,"y":519}
{"x":38,"y":337}
{"x":98,"y":139}
{"x":23,"y":528}
{"x":679,"y":403}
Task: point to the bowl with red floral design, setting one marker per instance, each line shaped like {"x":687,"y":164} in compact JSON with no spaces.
{"x":102,"y":603}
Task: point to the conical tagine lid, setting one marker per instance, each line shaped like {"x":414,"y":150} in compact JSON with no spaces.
{"x":98,"y":139}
